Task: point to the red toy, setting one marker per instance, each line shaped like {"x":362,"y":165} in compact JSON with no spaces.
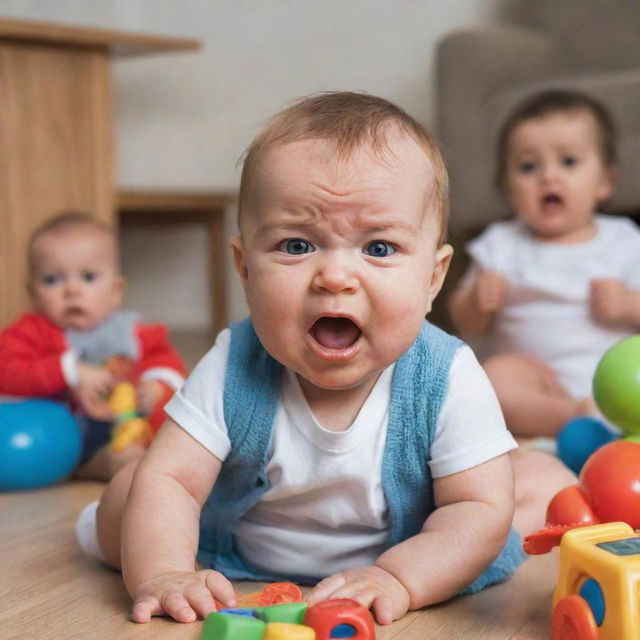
{"x":326,"y":616}
{"x":274,"y":593}
{"x":609,"y":491}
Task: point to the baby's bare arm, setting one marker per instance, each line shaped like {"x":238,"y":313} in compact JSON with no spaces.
{"x":614,"y":304}
{"x":475,"y":302}
{"x":458,"y":542}
{"x":160,"y":530}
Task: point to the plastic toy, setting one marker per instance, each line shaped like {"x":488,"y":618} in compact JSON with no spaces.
{"x":579,"y":438}
{"x":597,"y":595}
{"x":609,"y":490}
{"x":274,"y":593}
{"x":616,"y":390}
{"x":40,"y":444}
{"x":616,"y":386}
{"x":129,"y":426}
{"x":339,"y":618}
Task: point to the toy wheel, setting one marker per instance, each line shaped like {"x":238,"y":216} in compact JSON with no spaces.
{"x":572,"y":620}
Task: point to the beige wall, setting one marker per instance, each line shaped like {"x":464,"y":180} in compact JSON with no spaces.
{"x":183,"y":120}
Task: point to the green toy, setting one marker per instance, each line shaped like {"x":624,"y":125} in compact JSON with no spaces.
{"x":292,"y":612}
{"x":219,"y":626}
{"x":616,"y":386}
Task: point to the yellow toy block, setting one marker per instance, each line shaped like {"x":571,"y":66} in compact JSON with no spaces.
{"x":286,"y":631}
{"x":597,"y":596}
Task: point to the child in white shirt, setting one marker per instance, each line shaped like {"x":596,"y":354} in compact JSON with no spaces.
{"x":335,"y":436}
{"x":551,"y":290}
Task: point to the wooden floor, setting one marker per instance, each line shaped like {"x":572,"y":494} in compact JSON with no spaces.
{"x":49,"y":590}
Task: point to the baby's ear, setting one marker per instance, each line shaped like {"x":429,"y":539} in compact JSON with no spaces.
{"x":442,"y":260}
{"x":239,"y":258}
{"x":607,"y":183}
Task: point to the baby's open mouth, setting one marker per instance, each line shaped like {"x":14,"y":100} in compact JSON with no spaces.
{"x":551,"y":199}
{"x":335,"y":333}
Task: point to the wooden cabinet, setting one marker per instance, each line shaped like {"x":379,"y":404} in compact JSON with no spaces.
{"x":56,"y":132}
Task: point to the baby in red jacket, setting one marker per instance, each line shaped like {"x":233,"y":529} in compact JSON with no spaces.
{"x":60,"y":350}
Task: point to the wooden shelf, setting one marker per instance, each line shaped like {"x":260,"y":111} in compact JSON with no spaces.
{"x":153,"y":207}
{"x":119,"y":43}
{"x":145,"y":199}
{"x":56,"y":131}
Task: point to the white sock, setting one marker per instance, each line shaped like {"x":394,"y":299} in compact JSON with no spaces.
{"x":87,"y":532}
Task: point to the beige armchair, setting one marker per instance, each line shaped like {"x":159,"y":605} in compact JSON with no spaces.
{"x":588,"y":45}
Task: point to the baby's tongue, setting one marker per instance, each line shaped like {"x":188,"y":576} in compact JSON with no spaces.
{"x":335,"y":333}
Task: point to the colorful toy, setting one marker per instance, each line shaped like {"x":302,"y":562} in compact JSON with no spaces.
{"x":597,"y":595}
{"x":40,"y":444}
{"x":274,"y":593}
{"x":129,"y":426}
{"x":579,"y":438}
{"x":616,"y":386}
{"x":339,"y":618}
{"x":609,"y":490}
{"x":616,"y":390}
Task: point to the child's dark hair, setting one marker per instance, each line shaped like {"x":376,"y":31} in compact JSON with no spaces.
{"x":554,"y":101}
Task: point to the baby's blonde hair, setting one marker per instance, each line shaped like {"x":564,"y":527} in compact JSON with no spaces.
{"x":66,"y":221}
{"x":351,"y":120}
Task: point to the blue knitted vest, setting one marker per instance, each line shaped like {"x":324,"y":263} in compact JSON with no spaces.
{"x":251,"y":395}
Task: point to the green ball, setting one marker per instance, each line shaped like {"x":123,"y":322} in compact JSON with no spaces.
{"x":616,"y":384}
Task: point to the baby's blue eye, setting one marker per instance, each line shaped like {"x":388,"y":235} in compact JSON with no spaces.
{"x":379,"y":249}
{"x":89,"y":276}
{"x":528,"y":167}
{"x":51,"y":279}
{"x":296,"y":246}
{"x":569,"y":161}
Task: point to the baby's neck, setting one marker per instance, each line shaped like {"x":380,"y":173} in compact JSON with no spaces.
{"x":582,"y":234}
{"x":336,"y":410}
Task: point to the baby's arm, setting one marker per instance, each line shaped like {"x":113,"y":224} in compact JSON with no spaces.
{"x":160,"y":531}
{"x":458,"y":541}
{"x":30,"y":367}
{"x":476,"y":300}
{"x":612,"y":302}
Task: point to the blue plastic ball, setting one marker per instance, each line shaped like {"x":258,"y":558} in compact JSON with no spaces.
{"x":579,"y":438}
{"x":40,"y":443}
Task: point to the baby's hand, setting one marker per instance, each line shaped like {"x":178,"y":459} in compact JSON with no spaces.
{"x":182,"y":595}
{"x":95,"y":383}
{"x":148,"y":394}
{"x":372,"y":587}
{"x":490,"y":292}
{"x":609,"y":301}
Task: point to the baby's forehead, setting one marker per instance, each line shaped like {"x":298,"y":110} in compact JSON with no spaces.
{"x":93,"y":238}
{"x":573,"y":121}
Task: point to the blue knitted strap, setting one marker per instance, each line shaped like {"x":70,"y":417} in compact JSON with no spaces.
{"x":251,"y":393}
{"x":419,"y":386}
{"x":510,"y":558}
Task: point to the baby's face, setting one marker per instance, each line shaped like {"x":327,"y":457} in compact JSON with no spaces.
{"x":556,"y":176}
{"x":75,"y":280}
{"x":339,"y":259}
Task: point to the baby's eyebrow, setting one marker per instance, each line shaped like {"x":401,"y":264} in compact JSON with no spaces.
{"x":391,"y":225}
{"x":286,"y":223}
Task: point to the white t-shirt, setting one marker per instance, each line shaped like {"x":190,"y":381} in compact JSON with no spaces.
{"x":325,"y":492}
{"x":547,"y":313}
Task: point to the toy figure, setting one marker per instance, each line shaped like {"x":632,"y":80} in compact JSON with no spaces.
{"x":609,"y":491}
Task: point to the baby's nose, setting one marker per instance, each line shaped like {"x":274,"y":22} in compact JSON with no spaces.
{"x":549,"y":172}
{"x":336,"y":274}
{"x":72,"y":286}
